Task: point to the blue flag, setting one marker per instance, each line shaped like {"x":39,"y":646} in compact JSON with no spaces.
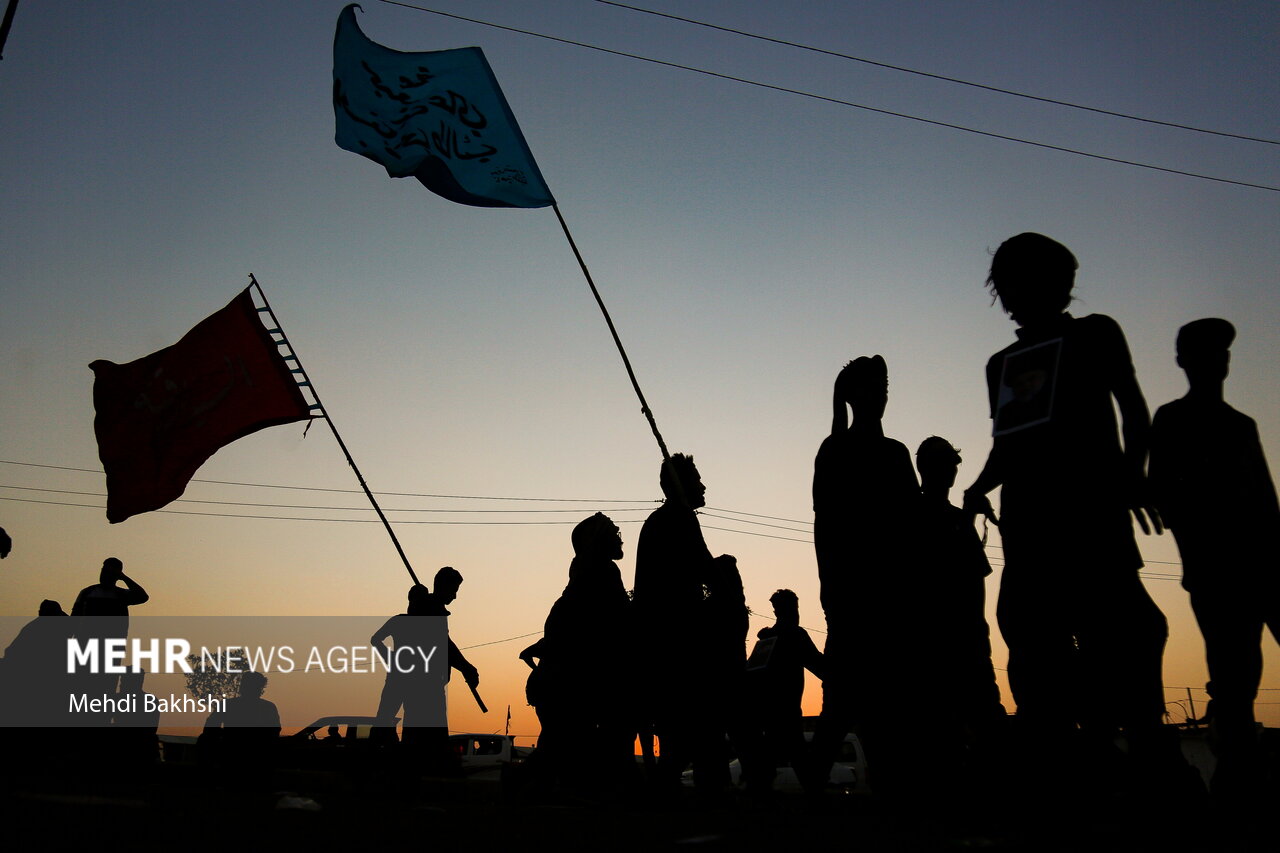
{"x":437,"y":115}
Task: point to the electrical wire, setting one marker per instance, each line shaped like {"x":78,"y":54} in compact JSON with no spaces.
{"x":942,"y":77}
{"x":838,"y":101}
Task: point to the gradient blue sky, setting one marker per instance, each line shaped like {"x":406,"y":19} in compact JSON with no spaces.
{"x":747,"y":241}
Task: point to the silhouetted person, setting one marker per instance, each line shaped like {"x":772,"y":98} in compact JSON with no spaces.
{"x":672,"y":567}
{"x":108,"y":599}
{"x":581,"y":685}
{"x":1085,"y":639}
{"x":865,"y":499}
{"x":408,"y":682}
{"x":245,"y":735}
{"x":955,"y":567}
{"x":107,"y":603}
{"x":726,"y":621}
{"x":431,"y":741}
{"x":775,"y":679}
{"x":36,"y":685}
{"x":6,"y":544}
{"x":1215,"y":493}
{"x":134,"y":736}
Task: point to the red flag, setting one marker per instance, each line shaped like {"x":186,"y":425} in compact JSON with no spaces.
{"x":160,"y":417}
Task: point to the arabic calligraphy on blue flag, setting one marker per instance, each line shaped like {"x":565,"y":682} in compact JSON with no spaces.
{"x":437,"y":116}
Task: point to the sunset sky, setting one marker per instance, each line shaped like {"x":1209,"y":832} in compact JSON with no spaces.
{"x":748,"y":242}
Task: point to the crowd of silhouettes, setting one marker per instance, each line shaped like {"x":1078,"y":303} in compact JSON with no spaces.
{"x":902,"y":574}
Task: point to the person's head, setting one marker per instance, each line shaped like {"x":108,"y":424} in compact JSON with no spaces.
{"x":112,"y":569}
{"x":1032,"y":276}
{"x":786,"y":606}
{"x":937,"y":461}
{"x":447,"y":581}
{"x":49,"y":607}
{"x":864,"y":384}
{"x":597,"y":537}
{"x":1204,"y":350}
{"x":680,"y":477}
{"x":419,"y":596}
{"x":252,"y":684}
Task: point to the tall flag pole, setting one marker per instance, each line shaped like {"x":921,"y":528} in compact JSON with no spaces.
{"x":304,"y":381}
{"x":440,"y":117}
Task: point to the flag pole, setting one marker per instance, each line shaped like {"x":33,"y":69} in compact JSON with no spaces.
{"x":324,"y":413}
{"x":626,"y":362}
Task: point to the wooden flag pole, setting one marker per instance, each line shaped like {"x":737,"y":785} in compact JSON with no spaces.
{"x":306,"y":383}
{"x":626,"y":362}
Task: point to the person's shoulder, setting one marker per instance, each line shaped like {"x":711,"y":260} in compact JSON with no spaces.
{"x":1099,"y":325}
{"x":1170,"y":411}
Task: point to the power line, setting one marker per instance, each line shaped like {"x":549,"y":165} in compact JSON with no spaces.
{"x":838,"y":101}
{"x":705,"y":514}
{"x":321,"y":506}
{"x":941,"y":77}
{"x":307,"y":518}
{"x":352,"y":491}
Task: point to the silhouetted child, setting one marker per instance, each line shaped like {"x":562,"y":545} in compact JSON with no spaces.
{"x":955,"y":567}
{"x":775,"y":677}
{"x":866,"y":501}
{"x":1215,"y":492}
{"x":1085,"y":639}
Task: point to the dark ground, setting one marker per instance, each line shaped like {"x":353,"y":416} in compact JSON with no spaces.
{"x":189,"y":807}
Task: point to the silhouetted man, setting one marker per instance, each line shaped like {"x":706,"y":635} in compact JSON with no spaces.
{"x":408,"y":681}
{"x":1085,"y":639}
{"x":420,"y":708}
{"x":1215,"y":492}
{"x":865,"y":499}
{"x":672,"y":567}
{"x":107,"y":598}
{"x":246,"y":733}
{"x":108,"y":604}
{"x":775,"y":677}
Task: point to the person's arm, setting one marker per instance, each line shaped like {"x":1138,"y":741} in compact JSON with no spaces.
{"x":810,"y":657}
{"x":534,"y":651}
{"x":379,"y":638}
{"x":1136,"y":429}
{"x":992,"y":474}
{"x":976,"y":501}
{"x":456,"y":661}
{"x":137,"y":595}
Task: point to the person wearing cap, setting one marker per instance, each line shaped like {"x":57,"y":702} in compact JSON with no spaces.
{"x":1210,"y":479}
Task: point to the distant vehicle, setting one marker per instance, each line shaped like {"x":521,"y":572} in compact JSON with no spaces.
{"x":485,"y":752}
{"x":350,"y":728}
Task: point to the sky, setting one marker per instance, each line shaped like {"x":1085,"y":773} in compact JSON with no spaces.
{"x":747,"y":241}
